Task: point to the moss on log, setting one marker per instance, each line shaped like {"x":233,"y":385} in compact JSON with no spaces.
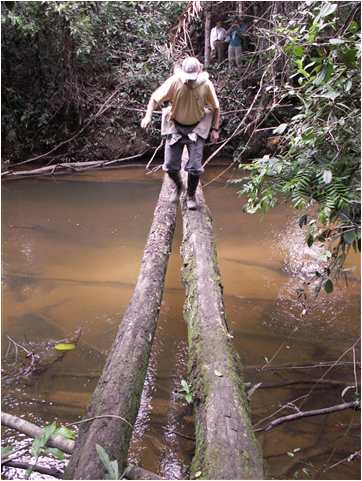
{"x":120,"y":386}
{"x":226,"y":447}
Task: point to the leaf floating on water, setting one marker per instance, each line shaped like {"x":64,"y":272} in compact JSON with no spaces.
{"x":198,"y":474}
{"x":64,"y":347}
{"x":218,"y":373}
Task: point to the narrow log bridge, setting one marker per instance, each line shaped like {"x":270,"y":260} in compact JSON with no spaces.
{"x":116,"y":399}
{"x":226,"y":447}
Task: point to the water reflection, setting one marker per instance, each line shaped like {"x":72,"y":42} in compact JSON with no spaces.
{"x":71,"y":254}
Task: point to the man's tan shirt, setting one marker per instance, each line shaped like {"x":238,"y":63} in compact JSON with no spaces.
{"x":188,"y":105}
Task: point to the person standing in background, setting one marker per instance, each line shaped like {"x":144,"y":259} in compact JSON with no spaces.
{"x":235,"y":32}
{"x":217,"y":42}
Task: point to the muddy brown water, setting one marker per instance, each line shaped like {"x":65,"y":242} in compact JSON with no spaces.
{"x":71,"y":251}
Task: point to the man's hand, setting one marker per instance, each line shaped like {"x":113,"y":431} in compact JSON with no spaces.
{"x":145,"y":122}
{"x":214,"y":136}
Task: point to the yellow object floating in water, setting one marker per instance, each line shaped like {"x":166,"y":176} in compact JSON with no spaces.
{"x":64,"y":347}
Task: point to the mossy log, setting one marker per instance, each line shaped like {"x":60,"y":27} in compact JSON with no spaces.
{"x":120,"y":386}
{"x":226,"y":447}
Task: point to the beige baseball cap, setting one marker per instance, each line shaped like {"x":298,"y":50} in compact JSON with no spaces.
{"x":191,"y":68}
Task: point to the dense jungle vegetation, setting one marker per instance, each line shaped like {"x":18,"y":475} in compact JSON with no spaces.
{"x":76,"y":77}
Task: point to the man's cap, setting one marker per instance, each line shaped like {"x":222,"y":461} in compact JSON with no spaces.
{"x":191,"y":68}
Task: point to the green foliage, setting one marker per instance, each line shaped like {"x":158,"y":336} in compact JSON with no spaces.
{"x":185,"y":392}
{"x":319,"y":163}
{"x":39,"y":445}
{"x":61,"y":60}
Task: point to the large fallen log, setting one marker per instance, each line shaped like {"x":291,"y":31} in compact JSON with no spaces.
{"x":226,"y":447}
{"x":119,"y":389}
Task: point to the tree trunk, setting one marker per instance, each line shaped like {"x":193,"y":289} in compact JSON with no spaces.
{"x":226,"y":447}
{"x":120,"y":386}
{"x":207,"y":35}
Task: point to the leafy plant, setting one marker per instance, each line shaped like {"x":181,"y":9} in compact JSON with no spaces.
{"x":39,"y":445}
{"x":110,"y":466}
{"x":185,"y":392}
{"x":318,"y":163}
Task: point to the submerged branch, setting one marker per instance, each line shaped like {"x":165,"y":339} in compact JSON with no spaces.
{"x":56,"y":473}
{"x":57,"y":441}
{"x":69,"y":166}
{"x":35,"y":431}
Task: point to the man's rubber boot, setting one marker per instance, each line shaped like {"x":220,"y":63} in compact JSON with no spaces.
{"x":192,"y":182}
{"x":175,"y":176}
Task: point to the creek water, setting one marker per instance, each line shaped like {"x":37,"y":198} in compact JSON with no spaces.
{"x":71,"y":252}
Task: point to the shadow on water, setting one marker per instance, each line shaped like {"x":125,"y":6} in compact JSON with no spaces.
{"x":71,"y":254}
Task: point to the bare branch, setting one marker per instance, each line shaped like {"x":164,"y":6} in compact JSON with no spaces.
{"x":315,"y":412}
{"x":56,"y":473}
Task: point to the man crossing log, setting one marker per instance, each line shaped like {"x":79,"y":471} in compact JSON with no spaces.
{"x":193,"y":112}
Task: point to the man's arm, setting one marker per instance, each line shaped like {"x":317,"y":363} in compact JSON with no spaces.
{"x":214,"y":104}
{"x":214,"y":136}
{"x":164,"y":92}
{"x":145,"y":122}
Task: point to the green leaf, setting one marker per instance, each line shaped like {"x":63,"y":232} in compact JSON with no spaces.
{"x":103,"y":456}
{"x":64,"y":347}
{"x":298,"y":51}
{"x":110,"y":466}
{"x":65,"y":432}
{"x":353,"y":28}
{"x":28,"y":472}
{"x":188,"y":398}
{"x":57,"y":453}
{"x":48,"y":431}
{"x":37,"y":447}
{"x":328,"y":286}
{"x":114,"y":469}
{"x":349,"y":57}
{"x":309,"y":240}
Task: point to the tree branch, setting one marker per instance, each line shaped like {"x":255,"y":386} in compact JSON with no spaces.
{"x":30,"y":429}
{"x":56,"y":473}
{"x":34,"y":431}
{"x":315,"y":412}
